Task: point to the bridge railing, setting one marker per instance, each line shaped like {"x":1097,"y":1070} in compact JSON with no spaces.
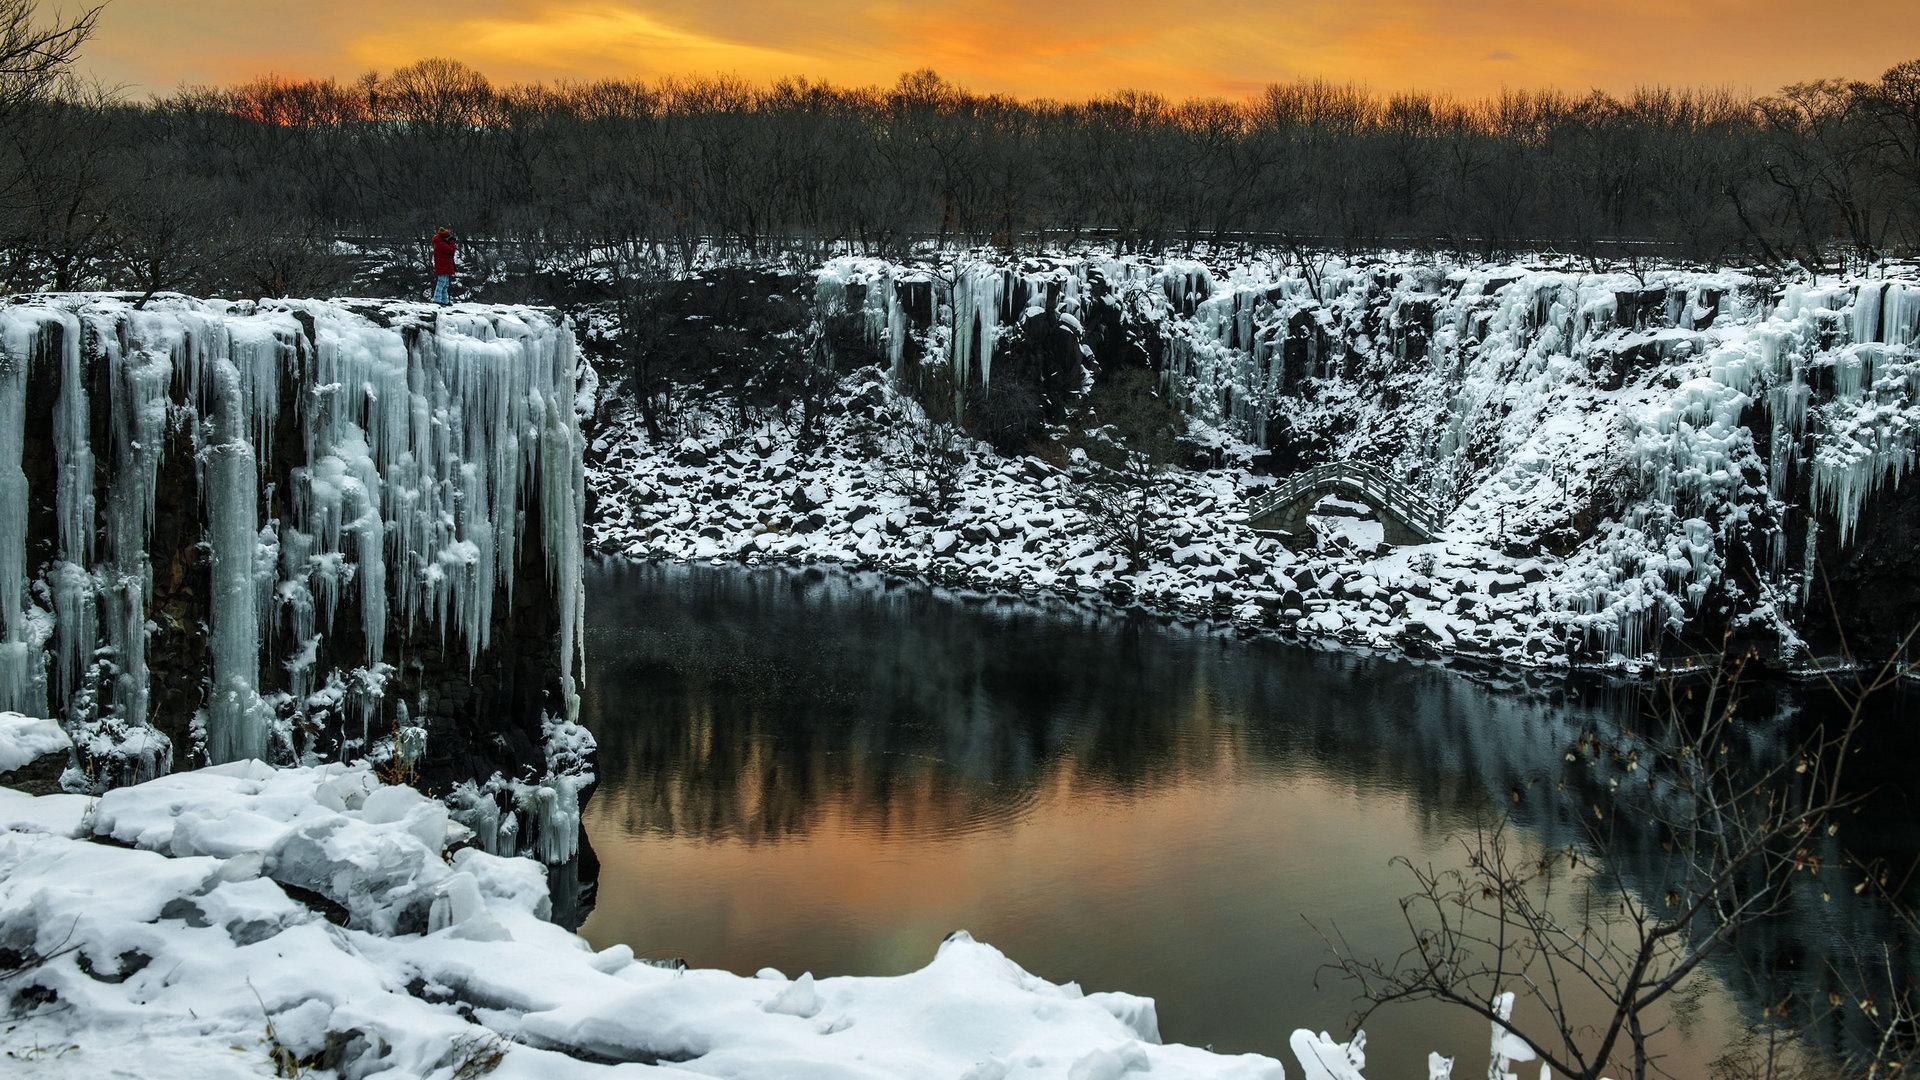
{"x":1392,"y":494}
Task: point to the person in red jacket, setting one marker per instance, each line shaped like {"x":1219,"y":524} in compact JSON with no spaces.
{"x":443,"y":249}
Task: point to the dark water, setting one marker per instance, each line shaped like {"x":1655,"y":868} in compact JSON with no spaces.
{"x":828,"y":773}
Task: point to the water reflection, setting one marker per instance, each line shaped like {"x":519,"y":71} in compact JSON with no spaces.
{"x":829,"y":772}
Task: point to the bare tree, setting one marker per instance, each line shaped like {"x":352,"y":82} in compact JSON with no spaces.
{"x":168,"y":233}
{"x":1824,"y":163}
{"x":1893,"y":104}
{"x":37,"y":50}
{"x":681,"y":170}
{"x":1126,"y":506}
{"x":1596,"y":957}
{"x":59,"y":226}
{"x":925,"y":460}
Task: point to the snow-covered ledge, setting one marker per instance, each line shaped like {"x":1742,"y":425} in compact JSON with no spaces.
{"x":236,"y":919}
{"x":24,"y":739}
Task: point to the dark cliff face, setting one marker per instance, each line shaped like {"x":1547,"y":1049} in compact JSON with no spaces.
{"x":485,"y":718}
{"x":480,"y":719}
{"x":178,"y":649}
{"x":1867,"y":599}
{"x":489,"y":392}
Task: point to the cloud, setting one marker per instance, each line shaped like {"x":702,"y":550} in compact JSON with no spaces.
{"x":1064,"y":49}
{"x":573,"y":41}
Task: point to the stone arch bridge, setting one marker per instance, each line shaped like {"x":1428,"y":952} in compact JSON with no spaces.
{"x":1408,"y":516}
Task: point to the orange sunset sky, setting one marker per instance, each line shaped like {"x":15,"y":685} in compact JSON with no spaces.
{"x":1027,"y":48}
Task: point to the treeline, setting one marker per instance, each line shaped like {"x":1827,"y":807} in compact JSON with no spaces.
{"x":249,"y":187}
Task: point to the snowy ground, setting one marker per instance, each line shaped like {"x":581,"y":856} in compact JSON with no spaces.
{"x":711,"y":491}
{"x":240,"y":921}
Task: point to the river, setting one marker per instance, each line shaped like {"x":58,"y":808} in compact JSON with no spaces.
{"x":828,"y":772}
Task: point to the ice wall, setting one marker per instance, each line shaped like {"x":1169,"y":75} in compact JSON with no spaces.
{"x":956,"y":313}
{"x":1683,"y":442}
{"x":1678,"y":440}
{"x":334,"y":494}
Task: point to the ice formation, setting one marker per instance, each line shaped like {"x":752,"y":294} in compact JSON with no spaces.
{"x":962,"y":309}
{"x":1651,"y":430}
{"x":388,"y":460}
{"x":510,"y":817}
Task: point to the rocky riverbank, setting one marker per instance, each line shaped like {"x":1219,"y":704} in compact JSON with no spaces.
{"x":713,"y":491}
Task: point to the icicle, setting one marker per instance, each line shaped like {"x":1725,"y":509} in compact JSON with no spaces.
{"x":1507,"y":1048}
{"x":1901,"y":321}
{"x":22,"y":682}
{"x":1866,"y":311}
{"x":74,"y":629}
{"x":71,"y":584}
{"x":553,"y":808}
{"x":896,"y":334}
{"x":964,"y":327}
{"x":236,"y":721}
{"x":137,"y":386}
{"x":1807,"y":556}
{"x":73,"y":452}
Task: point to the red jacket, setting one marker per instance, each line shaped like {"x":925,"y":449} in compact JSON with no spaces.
{"x":443,"y":246}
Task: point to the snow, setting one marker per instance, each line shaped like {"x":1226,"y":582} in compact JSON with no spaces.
{"x":1018,"y":527}
{"x":1321,"y":1058}
{"x":1507,"y":1048}
{"x":26,"y":738}
{"x":59,"y":815}
{"x":194,"y":946}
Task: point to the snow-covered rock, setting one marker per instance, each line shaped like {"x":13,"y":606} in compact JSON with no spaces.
{"x":202,"y":951}
{"x":60,"y":815}
{"x":25,"y":739}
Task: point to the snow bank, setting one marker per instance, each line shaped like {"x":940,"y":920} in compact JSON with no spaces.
{"x":27,"y":738}
{"x":311,"y":916}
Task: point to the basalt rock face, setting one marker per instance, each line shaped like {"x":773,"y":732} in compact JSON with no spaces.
{"x":1872,"y":587}
{"x":290,"y":530}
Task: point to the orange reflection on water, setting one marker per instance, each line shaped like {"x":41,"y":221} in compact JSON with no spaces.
{"x":828,"y":775}
{"x":1074,"y":879}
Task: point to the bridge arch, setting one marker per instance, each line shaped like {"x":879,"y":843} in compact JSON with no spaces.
{"x":1409,"y":517}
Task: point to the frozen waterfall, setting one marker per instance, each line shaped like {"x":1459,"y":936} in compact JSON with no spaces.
{"x":234,"y":478}
{"x":1648,"y":430}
